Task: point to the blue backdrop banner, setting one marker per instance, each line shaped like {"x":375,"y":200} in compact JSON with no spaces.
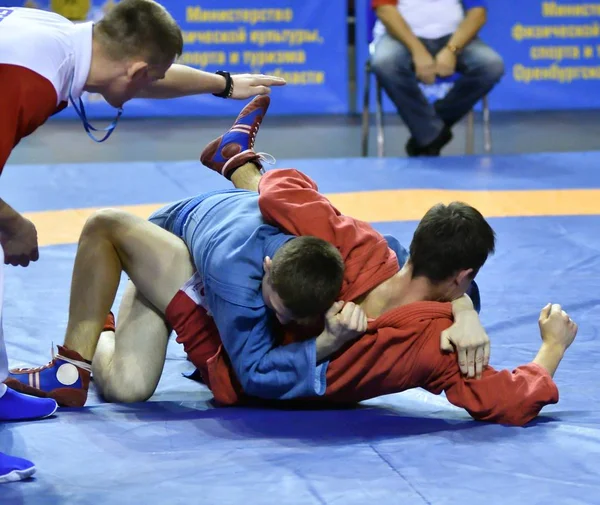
{"x":303,"y":41}
{"x":551,"y":52}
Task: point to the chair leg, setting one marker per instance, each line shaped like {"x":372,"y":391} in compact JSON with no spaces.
{"x":365,"y":112}
{"x":487,"y":130}
{"x":379,"y":121}
{"x":470,"y":134}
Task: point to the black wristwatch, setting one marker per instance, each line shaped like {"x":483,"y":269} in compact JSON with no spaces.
{"x":228,"y":91}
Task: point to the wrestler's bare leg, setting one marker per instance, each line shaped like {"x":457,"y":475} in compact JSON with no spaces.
{"x":112,"y":241}
{"x":158,"y":263}
{"x":247,"y":177}
{"x":128,"y":363}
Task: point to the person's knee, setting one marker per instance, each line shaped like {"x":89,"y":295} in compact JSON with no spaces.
{"x":489,"y":65}
{"x":104,"y":222}
{"x":125,"y":395}
{"x":116,"y":387}
{"x":120,"y":381}
{"x":390,"y":59}
{"x":494,"y":67}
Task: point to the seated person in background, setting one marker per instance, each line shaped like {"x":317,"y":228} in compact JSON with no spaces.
{"x":417,"y":40}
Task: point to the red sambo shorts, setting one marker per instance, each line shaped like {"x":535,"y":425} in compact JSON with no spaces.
{"x":187,"y":315}
{"x":195,"y":328}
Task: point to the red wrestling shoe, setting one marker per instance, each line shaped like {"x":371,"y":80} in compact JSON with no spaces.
{"x":66,"y":379}
{"x":236,"y":147}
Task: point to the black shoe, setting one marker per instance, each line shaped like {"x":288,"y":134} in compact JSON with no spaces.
{"x":433,"y":148}
{"x":412,"y":149}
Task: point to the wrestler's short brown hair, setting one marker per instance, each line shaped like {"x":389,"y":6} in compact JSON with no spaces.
{"x":307,"y":274}
{"x":139,"y":29}
{"x":451,"y":238}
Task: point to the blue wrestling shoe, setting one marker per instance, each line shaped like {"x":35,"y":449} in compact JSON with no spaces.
{"x":66,"y":379}
{"x":15,"y":406}
{"x":13,"y":469}
{"x":236,"y":147}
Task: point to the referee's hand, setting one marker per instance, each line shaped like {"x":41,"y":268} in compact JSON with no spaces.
{"x":20,"y":243}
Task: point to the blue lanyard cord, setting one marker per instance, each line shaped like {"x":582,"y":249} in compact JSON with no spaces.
{"x":88,"y":127}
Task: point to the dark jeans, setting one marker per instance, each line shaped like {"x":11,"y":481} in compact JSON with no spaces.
{"x":479,"y":66}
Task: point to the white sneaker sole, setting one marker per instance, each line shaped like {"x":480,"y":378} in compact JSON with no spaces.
{"x":51,"y":413}
{"x":17,"y":475}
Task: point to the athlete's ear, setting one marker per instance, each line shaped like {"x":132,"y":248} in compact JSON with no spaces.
{"x":137,"y":71}
{"x":267,"y":265}
{"x":464,"y":276}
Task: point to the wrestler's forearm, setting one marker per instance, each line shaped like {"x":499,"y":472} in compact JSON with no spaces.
{"x":9,"y":217}
{"x":549,"y":357}
{"x":327,"y":345}
{"x":462,"y":304}
{"x":181,"y":80}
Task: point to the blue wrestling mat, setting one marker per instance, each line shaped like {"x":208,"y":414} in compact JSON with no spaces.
{"x":409,"y":448}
